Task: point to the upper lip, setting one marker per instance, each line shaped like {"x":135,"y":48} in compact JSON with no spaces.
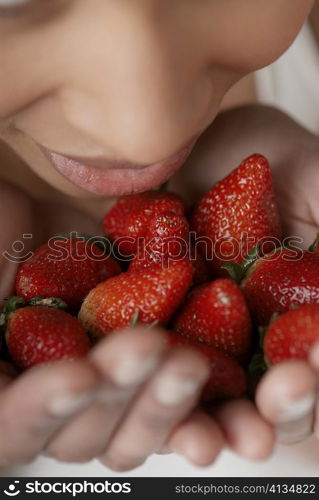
{"x":107,"y":163}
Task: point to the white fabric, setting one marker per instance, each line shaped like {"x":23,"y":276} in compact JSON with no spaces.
{"x":292,"y":82}
{"x":299,"y":460}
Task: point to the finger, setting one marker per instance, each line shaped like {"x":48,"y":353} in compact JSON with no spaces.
{"x":246,"y":432}
{"x":199,"y":439}
{"x":37,"y":403}
{"x":286,"y":398}
{"x":124,"y":361}
{"x":301,"y":227}
{"x":164,"y":450}
{"x":163,"y":403}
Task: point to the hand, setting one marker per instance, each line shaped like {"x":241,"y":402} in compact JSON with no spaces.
{"x":287,"y":396}
{"x":86,"y":409}
{"x":146,"y":402}
{"x":129,"y":399}
{"x":293,"y":405}
{"x":120,"y":404}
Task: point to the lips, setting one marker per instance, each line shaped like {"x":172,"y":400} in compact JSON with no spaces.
{"x":119,"y":179}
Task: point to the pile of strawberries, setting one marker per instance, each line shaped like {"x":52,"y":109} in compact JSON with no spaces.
{"x":212,"y":278}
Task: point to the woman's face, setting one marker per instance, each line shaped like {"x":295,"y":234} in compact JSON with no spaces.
{"x":108,"y":96}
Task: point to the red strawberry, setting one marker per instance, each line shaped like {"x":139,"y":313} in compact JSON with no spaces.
{"x":237,"y":213}
{"x":67,"y":268}
{"x":292,"y":334}
{"x":227,"y":379}
{"x":39,"y":334}
{"x":155,"y":292}
{"x":165,"y":240}
{"x":131,"y":215}
{"x":216,"y":313}
{"x":280,"y":279}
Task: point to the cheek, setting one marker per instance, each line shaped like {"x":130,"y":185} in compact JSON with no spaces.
{"x":252,"y":34}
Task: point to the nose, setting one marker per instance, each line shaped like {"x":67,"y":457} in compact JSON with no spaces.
{"x":140,"y":87}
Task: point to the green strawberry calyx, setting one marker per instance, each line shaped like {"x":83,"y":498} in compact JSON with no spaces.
{"x":135,"y":320}
{"x":236,"y":271}
{"x":53,"y":302}
{"x":258,"y":366}
{"x":313,"y":247}
{"x":12,"y":304}
{"x":259,"y":363}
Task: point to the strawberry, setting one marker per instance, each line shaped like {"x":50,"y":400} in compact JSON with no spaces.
{"x":292,"y":334}
{"x":129,"y":219}
{"x":155,"y":292}
{"x":165,"y":240}
{"x":237,"y":213}
{"x":168,"y":239}
{"x":39,"y":334}
{"x":65,"y":267}
{"x":227,"y":379}
{"x":216,"y":314}
{"x":277,"y":281}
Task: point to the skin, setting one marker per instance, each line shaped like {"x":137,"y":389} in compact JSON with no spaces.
{"x":81,"y":102}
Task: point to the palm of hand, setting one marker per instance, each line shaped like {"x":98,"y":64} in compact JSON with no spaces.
{"x":297,"y":184}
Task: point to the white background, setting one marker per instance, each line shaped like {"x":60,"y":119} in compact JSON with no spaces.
{"x":298,"y":460}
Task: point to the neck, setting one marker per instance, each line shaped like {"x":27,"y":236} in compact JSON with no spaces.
{"x":314,"y":20}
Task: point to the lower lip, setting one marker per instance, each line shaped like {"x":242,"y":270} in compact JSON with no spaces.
{"x":117,"y":181}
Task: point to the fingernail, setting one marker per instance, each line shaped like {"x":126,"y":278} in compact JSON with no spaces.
{"x":67,"y":405}
{"x":295,"y":422}
{"x":172,"y":389}
{"x":297,"y":409}
{"x":292,"y":432}
{"x":132,"y":370}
